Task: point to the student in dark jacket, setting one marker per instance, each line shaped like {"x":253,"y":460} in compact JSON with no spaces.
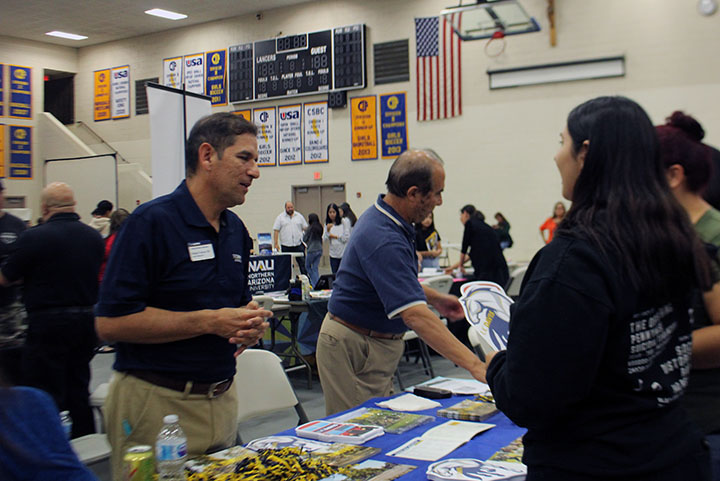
{"x":485,"y":254}
{"x":599,"y":349}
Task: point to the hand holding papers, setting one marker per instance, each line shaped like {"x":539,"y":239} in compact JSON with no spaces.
{"x":487,"y":308}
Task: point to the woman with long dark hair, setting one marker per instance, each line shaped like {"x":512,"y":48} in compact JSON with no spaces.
{"x":336,"y":234}
{"x":688,"y":166}
{"x":502,"y":230}
{"x":347,"y":214}
{"x":313,"y":240}
{"x":598,"y":353}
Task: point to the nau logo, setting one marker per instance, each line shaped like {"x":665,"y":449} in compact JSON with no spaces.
{"x":262,"y":265}
{"x":289,"y":115}
{"x":192,"y":62}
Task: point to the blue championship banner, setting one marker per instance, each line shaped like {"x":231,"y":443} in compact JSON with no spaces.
{"x":20,"y":92}
{"x":269,"y":273}
{"x":20,"y":152}
{"x":2,"y":92}
{"x":215,"y":84}
{"x":393,"y":124}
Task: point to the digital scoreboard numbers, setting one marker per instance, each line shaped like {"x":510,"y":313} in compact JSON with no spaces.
{"x":293,"y":65}
{"x":349,"y":56}
{"x":298,"y":64}
{"x":240,"y":73}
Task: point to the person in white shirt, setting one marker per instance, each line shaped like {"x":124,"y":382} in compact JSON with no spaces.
{"x":337,"y":233}
{"x":288,"y":233}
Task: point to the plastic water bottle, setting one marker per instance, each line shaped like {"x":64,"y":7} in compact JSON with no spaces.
{"x":171,"y":449}
{"x":66,"y":422}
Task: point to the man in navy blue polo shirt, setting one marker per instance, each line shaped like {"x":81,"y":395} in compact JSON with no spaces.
{"x":376,"y":294}
{"x":175,"y":298}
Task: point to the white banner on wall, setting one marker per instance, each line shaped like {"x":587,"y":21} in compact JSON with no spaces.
{"x":315,"y":121}
{"x":120,"y":92}
{"x":195,"y":73}
{"x":265,"y":121}
{"x":290,"y":134}
{"x":173,"y":72}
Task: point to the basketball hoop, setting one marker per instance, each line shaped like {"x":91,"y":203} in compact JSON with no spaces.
{"x":495,"y":45}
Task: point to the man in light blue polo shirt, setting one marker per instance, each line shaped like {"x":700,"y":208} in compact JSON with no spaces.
{"x":376,"y":294}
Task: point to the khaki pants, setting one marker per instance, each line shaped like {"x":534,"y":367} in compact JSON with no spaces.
{"x":354,"y":368}
{"x":138,"y":406}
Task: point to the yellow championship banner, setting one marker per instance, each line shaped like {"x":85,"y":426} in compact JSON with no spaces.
{"x":363,"y":124}
{"x":246,"y":114}
{"x":101,"y":109}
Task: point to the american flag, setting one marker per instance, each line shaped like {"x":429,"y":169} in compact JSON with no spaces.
{"x":439,"y":92}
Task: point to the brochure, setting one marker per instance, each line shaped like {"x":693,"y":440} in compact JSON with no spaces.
{"x":440,"y":441}
{"x":393,"y":422}
{"x":466,"y":469}
{"x":487,"y":308}
{"x":457,"y":386}
{"x":469,"y":410}
{"x":372,"y":470}
{"x":512,"y":453}
{"x":338,"y":432}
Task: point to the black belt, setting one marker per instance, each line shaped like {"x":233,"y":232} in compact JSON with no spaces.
{"x":63,"y":310}
{"x":368,"y":332}
{"x":210,"y":389}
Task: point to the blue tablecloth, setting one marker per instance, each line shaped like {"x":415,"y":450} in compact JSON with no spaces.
{"x":480,"y":447}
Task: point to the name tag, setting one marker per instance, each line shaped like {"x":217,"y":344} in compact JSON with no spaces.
{"x":201,"y":251}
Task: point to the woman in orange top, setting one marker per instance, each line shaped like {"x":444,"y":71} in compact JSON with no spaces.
{"x":552,"y":222}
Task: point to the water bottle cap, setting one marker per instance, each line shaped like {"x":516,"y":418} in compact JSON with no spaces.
{"x":171,"y":419}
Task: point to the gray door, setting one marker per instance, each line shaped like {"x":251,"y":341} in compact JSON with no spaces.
{"x":315,"y":199}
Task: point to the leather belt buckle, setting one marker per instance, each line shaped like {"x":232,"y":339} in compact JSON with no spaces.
{"x":217,"y":388}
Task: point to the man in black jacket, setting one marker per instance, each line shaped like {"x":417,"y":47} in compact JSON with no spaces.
{"x":58,"y":263}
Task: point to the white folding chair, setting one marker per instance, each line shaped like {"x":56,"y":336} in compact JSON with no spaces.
{"x":97,"y":401}
{"x":263,"y":387}
{"x":441,"y":284}
{"x":91,"y":448}
{"x":516,"y":278}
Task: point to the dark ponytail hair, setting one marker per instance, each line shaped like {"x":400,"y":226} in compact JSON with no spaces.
{"x":472,"y":212}
{"x":680,"y":144}
{"x":622,"y":175}
{"x":348,"y":212}
{"x":314,"y":226}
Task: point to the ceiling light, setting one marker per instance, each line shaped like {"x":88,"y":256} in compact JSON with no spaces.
{"x":71,"y":36}
{"x":159,"y":12}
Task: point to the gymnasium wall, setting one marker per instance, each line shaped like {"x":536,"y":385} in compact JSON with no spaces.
{"x":499,"y":152}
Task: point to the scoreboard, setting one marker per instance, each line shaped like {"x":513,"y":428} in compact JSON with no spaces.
{"x":302,"y":64}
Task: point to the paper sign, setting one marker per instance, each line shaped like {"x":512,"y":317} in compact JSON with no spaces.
{"x":315,"y":120}
{"x":363,"y":123}
{"x":120,"y":87}
{"x":101,"y":109}
{"x":289,"y":134}
{"x":20,"y":92}
{"x":195,"y":73}
{"x":393,"y":124}
{"x":487,"y":308}
{"x":265,"y":121}
{"x":173,"y":72}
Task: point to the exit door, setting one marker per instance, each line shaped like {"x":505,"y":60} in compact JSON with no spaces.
{"x":315,"y":199}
